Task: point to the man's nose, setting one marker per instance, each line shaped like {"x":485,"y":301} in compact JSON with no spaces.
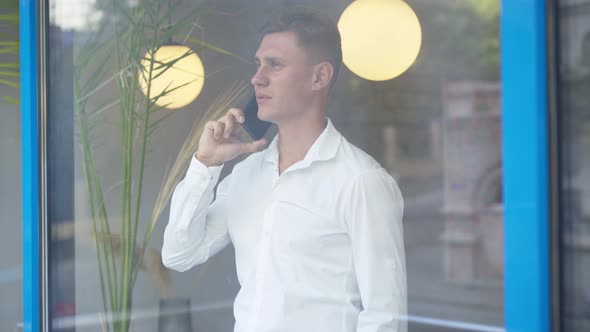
{"x":259,"y":78}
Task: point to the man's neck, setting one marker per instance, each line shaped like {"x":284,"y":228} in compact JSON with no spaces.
{"x":297,"y":137}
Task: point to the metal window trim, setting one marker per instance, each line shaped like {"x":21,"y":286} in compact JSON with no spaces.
{"x":555,"y":262}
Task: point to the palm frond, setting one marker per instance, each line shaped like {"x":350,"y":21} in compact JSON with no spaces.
{"x":11,"y":100}
{"x":204,"y":44}
{"x":10,"y":83}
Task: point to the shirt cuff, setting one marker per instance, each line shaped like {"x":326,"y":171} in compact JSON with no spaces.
{"x":198,"y":181}
{"x":199,"y":173}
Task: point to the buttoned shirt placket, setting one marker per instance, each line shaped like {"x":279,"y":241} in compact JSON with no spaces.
{"x":265,"y":247}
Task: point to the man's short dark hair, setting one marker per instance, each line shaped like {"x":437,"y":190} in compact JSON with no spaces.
{"x":318,"y":35}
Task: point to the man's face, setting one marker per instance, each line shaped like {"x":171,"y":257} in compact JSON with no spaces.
{"x":283,"y":80}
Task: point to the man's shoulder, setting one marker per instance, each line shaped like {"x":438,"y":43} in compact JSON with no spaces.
{"x":360,"y":171}
{"x":353,"y":160}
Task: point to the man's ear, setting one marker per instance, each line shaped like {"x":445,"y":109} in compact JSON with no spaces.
{"x":322,"y":75}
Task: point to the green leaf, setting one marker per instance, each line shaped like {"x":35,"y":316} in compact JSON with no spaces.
{"x":9,"y":73}
{"x":9,"y":18}
{"x":154,"y":125}
{"x":210,"y":46}
{"x":181,"y":24}
{"x":11,"y":100}
{"x":9,"y":83}
{"x":10,"y":49}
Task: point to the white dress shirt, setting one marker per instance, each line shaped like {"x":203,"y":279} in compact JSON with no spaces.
{"x":318,"y":248}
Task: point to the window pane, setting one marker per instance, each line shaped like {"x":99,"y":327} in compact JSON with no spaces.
{"x":435,"y":129}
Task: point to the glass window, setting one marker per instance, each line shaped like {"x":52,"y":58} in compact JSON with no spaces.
{"x":574,"y":144}
{"x":10,"y":170}
{"x":435,"y":129}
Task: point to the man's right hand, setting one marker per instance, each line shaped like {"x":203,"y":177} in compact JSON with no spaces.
{"x":220,"y":143}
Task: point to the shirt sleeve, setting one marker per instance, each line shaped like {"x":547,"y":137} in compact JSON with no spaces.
{"x":374,"y":210}
{"x":197,"y":228}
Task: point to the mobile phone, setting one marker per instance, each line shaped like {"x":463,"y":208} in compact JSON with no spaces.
{"x":255,"y":127}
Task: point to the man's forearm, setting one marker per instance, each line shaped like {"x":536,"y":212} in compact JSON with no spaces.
{"x":186,"y":236}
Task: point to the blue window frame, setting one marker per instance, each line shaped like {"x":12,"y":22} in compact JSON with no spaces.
{"x":30,"y":164}
{"x":525,"y":162}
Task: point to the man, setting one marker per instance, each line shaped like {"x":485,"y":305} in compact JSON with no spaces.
{"x":316,"y":223}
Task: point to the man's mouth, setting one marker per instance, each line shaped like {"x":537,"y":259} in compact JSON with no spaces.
{"x":260,"y":98}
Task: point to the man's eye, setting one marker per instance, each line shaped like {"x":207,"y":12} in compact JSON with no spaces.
{"x":276,"y":65}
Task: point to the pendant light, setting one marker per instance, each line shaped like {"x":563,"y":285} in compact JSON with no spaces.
{"x":380,"y":38}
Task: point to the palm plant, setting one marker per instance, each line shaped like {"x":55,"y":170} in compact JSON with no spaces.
{"x":9,"y":46}
{"x":129,"y":32}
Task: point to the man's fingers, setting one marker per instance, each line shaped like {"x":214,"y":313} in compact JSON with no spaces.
{"x":216,"y":127}
{"x":229,"y":121}
{"x":254,"y":146}
{"x":237,"y":113}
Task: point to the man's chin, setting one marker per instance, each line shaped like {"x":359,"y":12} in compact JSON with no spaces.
{"x":265,"y":114}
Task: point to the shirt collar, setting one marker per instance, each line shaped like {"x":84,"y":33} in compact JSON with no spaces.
{"x":324,"y":147}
